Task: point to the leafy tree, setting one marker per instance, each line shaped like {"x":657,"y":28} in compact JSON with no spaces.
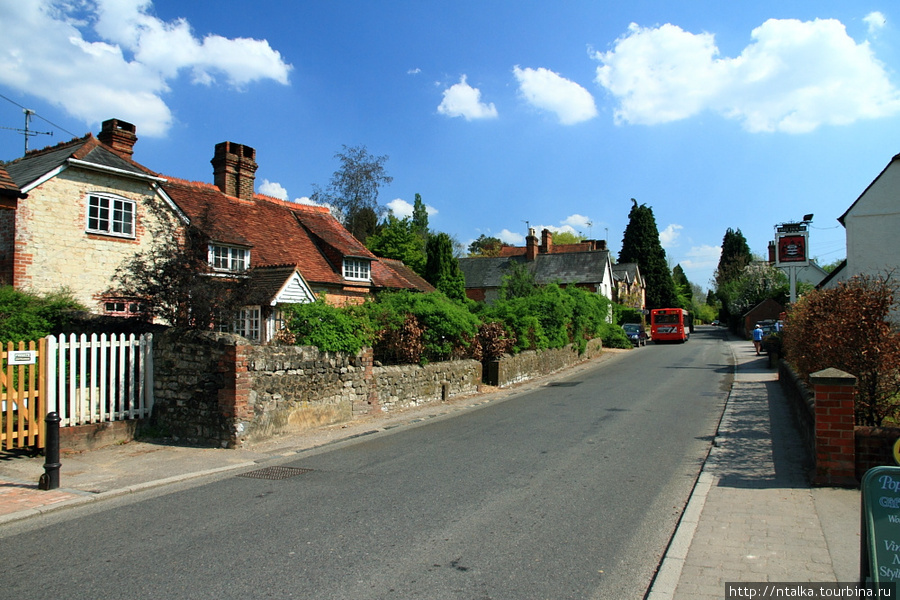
{"x":567,"y":237}
{"x":848,"y":328}
{"x":518,"y":282}
{"x":641,"y":245}
{"x":829,"y":267}
{"x":174,"y":281}
{"x":442,"y":269}
{"x":682,"y":287}
{"x":485,"y":246}
{"x":353,"y":190}
{"x":27,"y":317}
{"x":398,"y":239}
{"x":757,"y":282}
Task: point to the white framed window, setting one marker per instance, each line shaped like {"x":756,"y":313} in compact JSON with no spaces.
{"x":228,"y":258}
{"x":357,"y":269}
{"x":110,"y":215}
{"x":247,"y":322}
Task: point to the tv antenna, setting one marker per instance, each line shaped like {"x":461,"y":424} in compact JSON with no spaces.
{"x":27,"y":131}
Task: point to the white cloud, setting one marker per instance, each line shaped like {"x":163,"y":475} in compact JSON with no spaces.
{"x":668,"y":237}
{"x":794,"y":77}
{"x":113,"y":58}
{"x":549,"y":91}
{"x":876,"y":22}
{"x":578,"y":221}
{"x":271,"y":188}
{"x":462,"y":100}
{"x":510,"y":238}
{"x":403,"y":209}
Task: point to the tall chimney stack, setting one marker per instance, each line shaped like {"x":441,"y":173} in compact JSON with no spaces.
{"x":118,"y":135}
{"x":234,"y":169}
{"x":531,"y":245}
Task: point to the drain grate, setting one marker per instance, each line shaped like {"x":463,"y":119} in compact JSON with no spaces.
{"x":275,"y":473}
{"x":564,"y":384}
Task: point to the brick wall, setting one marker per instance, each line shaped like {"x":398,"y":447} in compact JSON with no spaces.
{"x":52,"y":249}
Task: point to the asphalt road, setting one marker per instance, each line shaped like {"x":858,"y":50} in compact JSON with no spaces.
{"x":570,"y":490}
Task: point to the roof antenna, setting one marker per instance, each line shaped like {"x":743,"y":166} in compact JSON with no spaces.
{"x":28,"y":132}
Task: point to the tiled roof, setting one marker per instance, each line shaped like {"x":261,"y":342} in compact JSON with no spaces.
{"x":279,"y":233}
{"x":38,"y":163}
{"x":7,"y":187}
{"x":404,"y":276}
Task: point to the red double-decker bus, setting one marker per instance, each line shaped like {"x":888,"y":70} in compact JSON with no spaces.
{"x":670,"y":325}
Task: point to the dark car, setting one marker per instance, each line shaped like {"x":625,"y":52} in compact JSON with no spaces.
{"x":636,"y":333}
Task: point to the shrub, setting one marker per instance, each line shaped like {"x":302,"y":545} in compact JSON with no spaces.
{"x":27,"y":317}
{"x":847,"y":328}
{"x":446,"y":329}
{"x":327,"y":327}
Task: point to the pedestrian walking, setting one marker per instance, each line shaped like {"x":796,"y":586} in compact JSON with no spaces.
{"x":757,"y":338}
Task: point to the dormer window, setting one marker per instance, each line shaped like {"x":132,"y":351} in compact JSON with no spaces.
{"x":110,"y":215}
{"x":357,"y":269}
{"x":228,"y":258}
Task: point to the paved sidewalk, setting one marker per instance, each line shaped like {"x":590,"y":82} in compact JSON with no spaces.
{"x":753,"y":516}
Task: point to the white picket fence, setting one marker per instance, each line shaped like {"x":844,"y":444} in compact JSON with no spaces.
{"x":93,"y":379}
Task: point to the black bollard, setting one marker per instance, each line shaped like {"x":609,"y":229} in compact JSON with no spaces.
{"x":50,"y":479}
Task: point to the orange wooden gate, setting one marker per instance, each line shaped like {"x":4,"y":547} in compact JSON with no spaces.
{"x":22,"y":404}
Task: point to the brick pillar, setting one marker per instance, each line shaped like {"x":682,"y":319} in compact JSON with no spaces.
{"x":835,"y":395}
{"x":234,"y":396}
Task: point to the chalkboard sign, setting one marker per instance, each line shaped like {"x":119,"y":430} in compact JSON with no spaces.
{"x":880,"y":551}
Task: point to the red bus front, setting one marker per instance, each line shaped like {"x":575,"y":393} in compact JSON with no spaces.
{"x":669,"y":324}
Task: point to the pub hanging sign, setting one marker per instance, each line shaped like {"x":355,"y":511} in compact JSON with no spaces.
{"x":791,"y":249}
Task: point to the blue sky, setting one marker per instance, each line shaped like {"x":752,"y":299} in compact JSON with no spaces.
{"x":498,"y":113}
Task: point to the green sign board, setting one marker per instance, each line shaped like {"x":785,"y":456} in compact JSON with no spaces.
{"x":880,"y":551}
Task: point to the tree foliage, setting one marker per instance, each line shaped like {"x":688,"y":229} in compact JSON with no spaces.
{"x":420,"y":218}
{"x":567,"y":237}
{"x":399,"y":239}
{"x":641,"y":245}
{"x":485,"y":246}
{"x":848,"y":328}
{"x":734,"y":258}
{"x":757,"y":282}
{"x":518,"y":282}
{"x":353,"y":190}
{"x":683,"y":288}
{"x":442,"y":269}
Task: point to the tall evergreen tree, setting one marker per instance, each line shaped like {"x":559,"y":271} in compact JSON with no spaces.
{"x":420,"y":218}
{"x":735,"y":257}
{"x":441,"y":267}
{"x":641,"y":245}
{"x":397,"y":239}
{"x":682,"y":287}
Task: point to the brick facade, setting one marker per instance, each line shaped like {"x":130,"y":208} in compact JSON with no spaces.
{"x":51,"y":249}
{"x":835,"y":446}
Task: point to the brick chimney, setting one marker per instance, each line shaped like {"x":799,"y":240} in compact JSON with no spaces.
{"x":546,"y":241}
{"x":118,"y":135}
{"x":600,"y":244}
{"x":771,"y":253}
{"x":531,"y":245}
{"x":234,"y":169}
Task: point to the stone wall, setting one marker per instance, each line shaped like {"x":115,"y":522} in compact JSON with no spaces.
{"x":537,"y":363}
{"x":217,"y":389}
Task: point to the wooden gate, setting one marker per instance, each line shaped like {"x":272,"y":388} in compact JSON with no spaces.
{"x":22,"y":403}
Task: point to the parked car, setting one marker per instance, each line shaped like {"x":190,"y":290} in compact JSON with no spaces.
{"x":715,"y":323}
{"x":636,"y":333}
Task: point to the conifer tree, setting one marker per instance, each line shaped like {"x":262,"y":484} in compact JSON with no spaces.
{"x":441,"y":267}
{"x":641,"y":245}
{"x":735,"y":257}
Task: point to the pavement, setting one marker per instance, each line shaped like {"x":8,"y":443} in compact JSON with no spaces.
{"x":752,"y":516}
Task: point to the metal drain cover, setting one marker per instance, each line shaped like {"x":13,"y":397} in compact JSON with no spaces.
{"x":275,"y":473}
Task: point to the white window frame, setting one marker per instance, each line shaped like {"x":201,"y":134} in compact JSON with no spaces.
{"x":108,"y":214}
{"x":357,"y":269}
{"x":228,"y":258}
{"x":247,"y":322}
